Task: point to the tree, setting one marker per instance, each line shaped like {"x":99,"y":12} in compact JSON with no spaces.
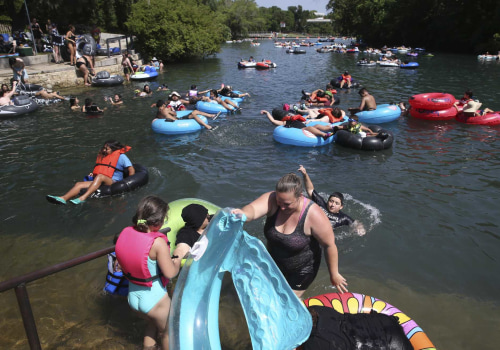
{"x":175,"y":29}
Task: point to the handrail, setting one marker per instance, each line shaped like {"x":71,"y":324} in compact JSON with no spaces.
{"x":19,"y":284}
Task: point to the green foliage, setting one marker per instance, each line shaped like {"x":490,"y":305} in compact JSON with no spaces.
{"x":175,"y":30}
{"x":242,"y":17}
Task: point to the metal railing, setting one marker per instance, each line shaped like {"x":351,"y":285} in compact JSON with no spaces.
{"x":119,"y":39}
{"x":19,"y":285}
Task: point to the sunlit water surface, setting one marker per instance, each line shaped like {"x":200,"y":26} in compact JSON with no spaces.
{"x":430,"y":204}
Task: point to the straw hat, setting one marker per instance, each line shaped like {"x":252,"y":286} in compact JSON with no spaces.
{"x":472,"y":107}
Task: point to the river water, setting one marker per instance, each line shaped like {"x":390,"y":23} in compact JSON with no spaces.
{"x":430,"y":204}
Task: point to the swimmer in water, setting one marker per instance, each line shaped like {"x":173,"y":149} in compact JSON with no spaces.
{"x":332,"y":207}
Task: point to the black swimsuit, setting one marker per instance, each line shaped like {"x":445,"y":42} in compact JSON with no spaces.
{"x":338,"y":219}
{"x":298,"y":256}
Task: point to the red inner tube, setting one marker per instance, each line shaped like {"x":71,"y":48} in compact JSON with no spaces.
{"x":434,"y":101}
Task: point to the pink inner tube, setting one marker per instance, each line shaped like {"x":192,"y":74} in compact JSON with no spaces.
{"x":434,"y":101}
{"x":487,"y":119}
{"x":444,"y":114}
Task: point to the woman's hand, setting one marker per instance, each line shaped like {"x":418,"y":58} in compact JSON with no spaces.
{"x":340,"y":283}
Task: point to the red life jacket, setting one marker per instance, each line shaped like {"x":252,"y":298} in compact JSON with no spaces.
{"x":292,"y":118}
{"x":328,"y":113}
{"x":106,"y":165}
{"x":132,"y":251}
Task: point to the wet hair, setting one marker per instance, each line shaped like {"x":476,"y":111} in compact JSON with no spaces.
{"x":152,"y":209}
{"x":7,"y":86}
{"x":72,"y":101}
{"x":144,"y":88}
{"x":213,"y":91}
{"x":469,"y":93}
{"x":337,"y":195}
{"x":160,"y":103}
{"x":119,"y":96}
{"x":193,"y":87}
{"x":336,"y":112}
{"x":329,"y":87}
{"x":290,"y":183}
{"x":320,"y":94}
{"x":113,"y":144}
{"x":362,"y":91}
{"x":88,"y":102}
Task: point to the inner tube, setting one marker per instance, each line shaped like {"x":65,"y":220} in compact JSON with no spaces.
{"x":129,"y":183}
{"x":302,"y":137}
{"x":246,"y":64}
{"x":22,"y":105}
{"x":409,"y":65}
{"x":86,"y":45}
{"x":487,"y":119}
{"x":149,"y":73}
{"x":370,"y":143}
{"x":383,"y":114}
{"x":46,"y":101}
{"x":336,"y":83}
{"x":434,"y":101}
{"x":276,"y":318}
{"x":212,"y":108}
{"x":103,"y":78}
{"x":354,"y":303}
{"x":265,"y":65}
{"x":28,"y":89}
{"x":177,"y":127}
{"x":443,"y":114}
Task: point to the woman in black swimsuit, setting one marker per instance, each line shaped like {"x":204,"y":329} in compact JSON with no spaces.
{"x":84,"y":64}
{"x":71,"y":42}
{"x":296,"y":229}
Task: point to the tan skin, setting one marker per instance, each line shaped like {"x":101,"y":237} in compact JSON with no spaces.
{"x":334,"y":203}
{"x":289,"y":207}
{"x":92,"y":186}
{"x":76,"y":106}
{"x":86,"y":71}
{"x":5,"y":99}
{"x":316,"y":130}
{"x":367,"y":103}
{"x":165,"y":112}
{"x":158,"y":315}
{"x":71,"y":45}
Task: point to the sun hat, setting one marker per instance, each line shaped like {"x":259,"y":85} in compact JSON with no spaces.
{"x":174,"y":93}
{"x":472,"y":107}
{"x":154,"y":59}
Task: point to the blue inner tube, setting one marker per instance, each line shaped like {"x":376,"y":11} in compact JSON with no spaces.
{"x":177,"y":127}
{"x":383,"y":114}
{"x":129,"y":183}
{"x":302,"y":137}
{"x":409,"y":65}
{"x":212,"y":108}
{"x":149,"y":73}
{"x":22,"y":105}
{"x":369,"y":143}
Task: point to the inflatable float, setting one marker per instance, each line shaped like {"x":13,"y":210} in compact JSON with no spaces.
{"x":148,"y":74}
{"x":369,"y":143}
{"x":175,"y":221}
{"x":22,"y":105}
{"x":434,"y":101}
{"x":103,"y":78}
{"x":388,"y":64}
{"x":409,"y":65}
{"x":302,"y":137}
{"x":427,"y":114}
{"x":178,"y":127}
{"x":336,"y":83}
{"x":296,"y":51}
{"x":354,"y":303}
{"x":86,"y":45}
{"x":46,"y":101}
{"x":129,"y":183}
{"x":487,"y":119}
{"x":265,"y":65}
{"x":247,"y":64}
{"x":384,"y":113}
{"x":28,"y":89}
{"x":266,"y":298}
{"x":366,"y":64}
{"x":212,"y":107}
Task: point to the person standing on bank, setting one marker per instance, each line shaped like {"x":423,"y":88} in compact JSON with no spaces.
{"x":296,"y":229}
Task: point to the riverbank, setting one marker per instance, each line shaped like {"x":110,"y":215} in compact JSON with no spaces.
{"x":42,"y":71}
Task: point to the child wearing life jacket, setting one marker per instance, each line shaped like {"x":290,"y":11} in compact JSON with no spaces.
{"x":144,"y":256}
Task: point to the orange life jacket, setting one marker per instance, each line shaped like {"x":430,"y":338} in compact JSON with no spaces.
{"x":106,"y":165}
{"x":328,"y":113}
{"x":292,"y":118}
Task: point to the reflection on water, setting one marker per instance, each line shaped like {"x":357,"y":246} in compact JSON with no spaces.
{"x":430,"y":204}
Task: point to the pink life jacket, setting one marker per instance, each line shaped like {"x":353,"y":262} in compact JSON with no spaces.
{"x":132,"y":251}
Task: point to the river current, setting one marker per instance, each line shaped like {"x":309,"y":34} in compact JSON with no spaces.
{"x":430,"y":204}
